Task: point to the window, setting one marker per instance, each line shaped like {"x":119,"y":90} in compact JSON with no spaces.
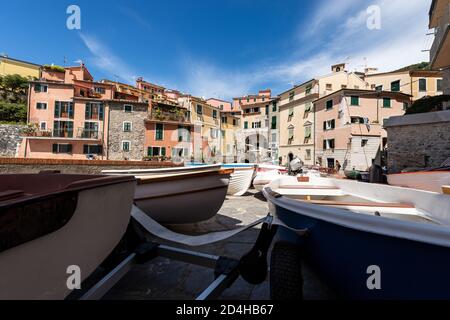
{"x":329,"y":86}
{"x":224,"y":120}
{"x":343,"y":86}
{"x":405,"y":105}
{"x":64,"y":109}
{"x":156,"y":151}
{"x":274,"y":107}
{"x":267,"y":110}
{"x":126,"y":146}
{"x":94,"y":111}
{"x":308,"y":106}
{"x":184,"y":134}
{"x":290,"y":134}
{"x":128,"y":108}
{"x":199,"y":109}
{"x":308,"y":132}
{"x":291,"y":96}
{"x":62,"y":148}
{"x":234,"y":122}
{"x":224,"y":134}
{"x":308,"y":154}
{"x":221,"y":107}
{"x":328,"y":144}
{"x":379,"y":88}
{"x":395,"y":86}
{"x":329,"y":125}
{"x":354,"y":101}
{"x":180,"y":152}
{"x":256,"y":110}
{"x":43,"y":126}
{"x":41,"y":106}
{"x":40,"y":87}
{"x":386,"y":102}
{"x":92,"y":149}
{"x":263,"y":99}
{"x":254,"y":100}
{"x":215,"y":114}
{"x":291,"y":113}
{"x":63,"y":129}
{"x":159,"y":132}
{"x":214,"y":133}
{"x":422,"y":85}
{"x":246,"y":125}
{"x":308,"y":90}
{"x":364,"y":142}
{"x":273,"y":126}
{"x":127,"y":126}
{"x":256,"y":125}
{"x":439,"y":85}
{"x":357,"y":120}
{"x":82,"y":93}
{"x":329,"y":104}
{"x":100,"y":90}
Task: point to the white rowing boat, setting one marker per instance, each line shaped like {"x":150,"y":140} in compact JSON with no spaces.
{"x":49,"y":222}
{"x":182,"y":198}
{"x":163,"y":171}
{"x":241,"y":178}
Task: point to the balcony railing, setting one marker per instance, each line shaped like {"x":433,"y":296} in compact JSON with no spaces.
{"x":440,"y":32}
{"x":83,"y":133}
{"x":62,"y":133}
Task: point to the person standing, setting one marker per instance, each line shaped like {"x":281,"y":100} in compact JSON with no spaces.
{"x":337,"y":166}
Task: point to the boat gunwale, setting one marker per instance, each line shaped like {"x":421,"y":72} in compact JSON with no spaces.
{"x":149,"y":180}
{"x":165,"y":195}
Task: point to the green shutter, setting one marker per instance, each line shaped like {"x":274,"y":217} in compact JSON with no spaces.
{"x":395,"y":86}
{"x":329,"y":104}
{"x":150,"y":151}
{"x":386,"y":102}
{"x":57,"y":109}
{"x":246,"y":125}
{"x":163,"y":151}
{"x":355,"y":101}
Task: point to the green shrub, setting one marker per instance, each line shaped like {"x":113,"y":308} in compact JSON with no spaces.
{"x":54,"y":68}
{"x":13,"y":112}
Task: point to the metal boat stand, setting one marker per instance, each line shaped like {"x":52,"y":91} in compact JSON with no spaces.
{"x":226,"y":270}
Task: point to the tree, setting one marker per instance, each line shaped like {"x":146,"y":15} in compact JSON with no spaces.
{"x":13,"y":112}
{"x":14,"y":83}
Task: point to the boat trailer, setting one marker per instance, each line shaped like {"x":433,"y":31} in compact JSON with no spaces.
{"x":252,"y":266}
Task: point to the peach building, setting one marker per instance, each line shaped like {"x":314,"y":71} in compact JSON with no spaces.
{"x":168,"y":131}
{"x":221,"y":104}
{"x":68,"y":114}
{"x":297,"y":114}
{"x":349,"y":126}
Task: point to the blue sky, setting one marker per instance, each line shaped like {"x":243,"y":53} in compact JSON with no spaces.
{"x":217,"y":48}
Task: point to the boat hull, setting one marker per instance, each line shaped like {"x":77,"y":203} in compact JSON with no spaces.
{"x":163,"y":171}
{"x":424,"y":180}
{"x":37,"y":269}
{"x":412,"y":251}
{"x":240,"y":182}
{"x":182,"y":199}
{"x":341,"y":257}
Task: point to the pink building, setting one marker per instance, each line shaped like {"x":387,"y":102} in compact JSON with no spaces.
{"x":349,"y":126}
{"x":223,"y":105}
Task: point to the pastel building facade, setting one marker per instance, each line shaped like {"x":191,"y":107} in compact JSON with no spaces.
{"x":230,"y":125}
{"x":10,"y":66}
{"x":253,"y":137}
{"x":418,"y":84}
{"x":349,"y":126}
{"x":297,"y":113}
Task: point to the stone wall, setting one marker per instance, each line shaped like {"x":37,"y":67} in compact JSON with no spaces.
{"x":9,"y":139}
{"x":15,"y":165}
{"x":117,"y":135}
{"x":419,"y":141}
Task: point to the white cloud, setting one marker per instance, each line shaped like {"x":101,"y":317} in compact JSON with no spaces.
{"x":399,"y":43}
{"x":104,"y":59}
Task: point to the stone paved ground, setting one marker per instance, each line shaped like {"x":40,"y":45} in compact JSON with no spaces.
{"x":168,"y":279}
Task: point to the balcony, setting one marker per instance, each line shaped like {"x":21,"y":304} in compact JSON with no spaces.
{"x":82,"y":134}
{"x":169,"y":116}
{"x":90,"y":134}
{"x":440,"y":50}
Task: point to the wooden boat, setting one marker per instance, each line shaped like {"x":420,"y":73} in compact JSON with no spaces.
{"x":357,"y":175}
{"x":424,"y":180}
{"x":345,"y":229}
{"x":241,"y":178}
{"x":182,"y":198}
{"x":164,"y":171}
{"x":49,"y":222}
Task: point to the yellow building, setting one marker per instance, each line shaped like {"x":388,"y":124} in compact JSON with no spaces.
{"x":419,"y":83}
{"x":230,"y":125}
{"x":206,"y":121}
{"x":10,"y":66}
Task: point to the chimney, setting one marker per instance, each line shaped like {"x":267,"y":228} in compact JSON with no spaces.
{"x":370,"y":70}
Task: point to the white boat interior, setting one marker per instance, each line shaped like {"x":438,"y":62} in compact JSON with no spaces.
{"x":359,"y":197}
